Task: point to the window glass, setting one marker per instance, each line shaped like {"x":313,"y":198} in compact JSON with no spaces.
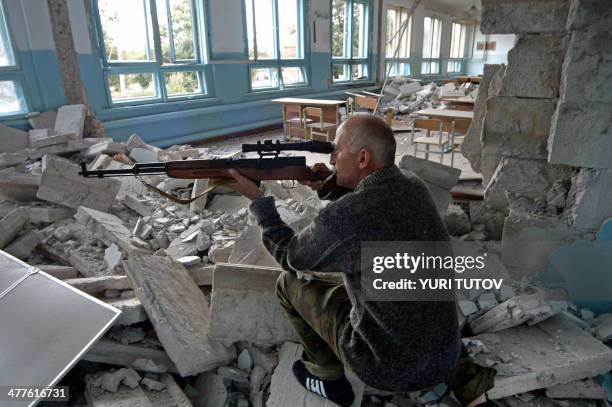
{"x":288,"y":26}
{"x":339,"y":27}
{"x":457,"y":49}
{"x":293,"y":76}
{"x":182,"y":83}
{"x":131,"y":86}
{"x":264,"y":78}
{"x":9,"y":99}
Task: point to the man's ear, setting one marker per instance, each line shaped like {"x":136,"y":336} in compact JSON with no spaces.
{"x":365,"y":158}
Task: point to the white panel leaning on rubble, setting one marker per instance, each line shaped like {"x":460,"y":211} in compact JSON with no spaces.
{"x":179,"y":312}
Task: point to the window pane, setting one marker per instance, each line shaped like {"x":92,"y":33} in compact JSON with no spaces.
{"x":391,"y":31}
{"x":131,"y":86}
{"x":293,"y":76}
{"x":340,"y":72}
{"x":359,"y":72}
{"x":264,"y":78}
{"x":288,"y":29}
{"x":6,"y":51}
{"x":264,"y":29}
{"x":250,"y":29}
{"x":359,"y":30}
{"x":338,"y":27}
{"x":395,"y":20}
{"x":126,"y":26}
{"x":175,"y":30}
{"x":457,"y":41}
{"x":436,"y":37}
{"x":9,"y":101}
{"x":182,"y":83}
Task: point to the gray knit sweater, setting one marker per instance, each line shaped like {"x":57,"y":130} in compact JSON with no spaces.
{"x":393,"y":346}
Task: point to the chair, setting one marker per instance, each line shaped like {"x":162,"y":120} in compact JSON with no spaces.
{"x":316,"y":125}
{"x":297,"y":122}
{"x":460,"y":126}
{"x":439,"y":138}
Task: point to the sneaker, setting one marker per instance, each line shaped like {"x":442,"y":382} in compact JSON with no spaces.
{"x":339,"y":391}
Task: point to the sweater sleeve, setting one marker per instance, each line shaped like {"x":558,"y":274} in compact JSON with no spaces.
{"x":315,"y":248}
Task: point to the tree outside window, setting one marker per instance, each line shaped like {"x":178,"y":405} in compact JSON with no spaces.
{"x":275,"y":43}
{"x":151,"y":49}
{"x":350,"y":31}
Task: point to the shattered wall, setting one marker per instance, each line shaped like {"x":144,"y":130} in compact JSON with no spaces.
{"x":542,"y":130}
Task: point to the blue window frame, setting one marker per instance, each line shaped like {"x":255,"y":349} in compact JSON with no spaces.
{"x":152,"y":51}
{"x":12,"y":99}
{"x":350,"y":28}
{"x":275,"y":38}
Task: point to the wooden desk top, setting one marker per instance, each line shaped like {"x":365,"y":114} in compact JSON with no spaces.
{"x":309,"y":102}
{"x":446,"y":113}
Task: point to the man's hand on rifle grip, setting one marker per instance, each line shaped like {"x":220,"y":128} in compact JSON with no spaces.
{"x":316,"y":185}
{"x":244,"y":186}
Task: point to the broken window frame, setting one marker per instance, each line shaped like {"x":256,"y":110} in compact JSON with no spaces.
{"x":157,"y":67}
{"x":11,"y":73}
{"x":427,"y":63}
{"x":276,"y":63}
{"x":455,"y":62}
{"x":400,"y":66}
{"x":348,"y":61}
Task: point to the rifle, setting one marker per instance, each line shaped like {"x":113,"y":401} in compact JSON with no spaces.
{"x":268,"y":166}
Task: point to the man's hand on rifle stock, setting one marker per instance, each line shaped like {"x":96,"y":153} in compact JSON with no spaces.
{"x":244,"y":186}
{"x":316,"y":185}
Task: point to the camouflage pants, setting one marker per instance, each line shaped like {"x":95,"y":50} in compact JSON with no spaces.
{"x":318,"y":310}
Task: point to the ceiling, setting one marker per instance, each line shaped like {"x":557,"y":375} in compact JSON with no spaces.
{"x":459,"y":7}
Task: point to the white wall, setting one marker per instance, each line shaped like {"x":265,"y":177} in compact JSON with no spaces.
{"x":503,"y":44}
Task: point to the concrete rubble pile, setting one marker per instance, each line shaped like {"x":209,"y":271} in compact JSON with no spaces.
{"x":180,"y":340}
{"x":404,"y":96}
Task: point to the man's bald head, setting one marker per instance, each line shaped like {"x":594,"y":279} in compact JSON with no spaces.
{"x":371,"y":133}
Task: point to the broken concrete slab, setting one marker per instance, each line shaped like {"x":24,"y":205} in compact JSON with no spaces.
{"x":530,"y":309}
{"x":59,"y":272}
{"x":580,"y":389}
{"x":44,"y":120}
{"x":529,"y":239}
{"x":493,"y":220}
{"x":511,"y":17}
{"x":46,"y":137}
{"x":524,"y":177}
{"x":552,"y":352}
{"x":199,"y":204}
{"x":23,"y":246}
{"x":105,"y":351}
{"x":471,"y":148}
{"x":70,"y":121}
{"x":534,"y":67}
{"x":285,"y":391}
{"x":518,"y":127}
{"x":143,"y":155}
{"x":108,"y":228}
{"x":576,"y":124}
{"x":186,"y":243}
{"x":12,"y":139}
{"x":228,"y":203}
{"x":16,"y":186}
{"x":589,"y":198}
{"x":49,"y":214}
{"x":11,"y":159}
{"x":12,"y":224}
{"x":249,"y":249}
{"x":456,"y":221}
{"x":62,"y":184}
{"x":105,"y":147}
{"x":179,"y":312}
{"x":142,"y":206}
{"x":96,"y":285}
{"x":211,"y":385}
{"x":97,"y":397}
{"x":438,"y":178}
{"x":244,"y":306}
{"x":131,"y":309}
